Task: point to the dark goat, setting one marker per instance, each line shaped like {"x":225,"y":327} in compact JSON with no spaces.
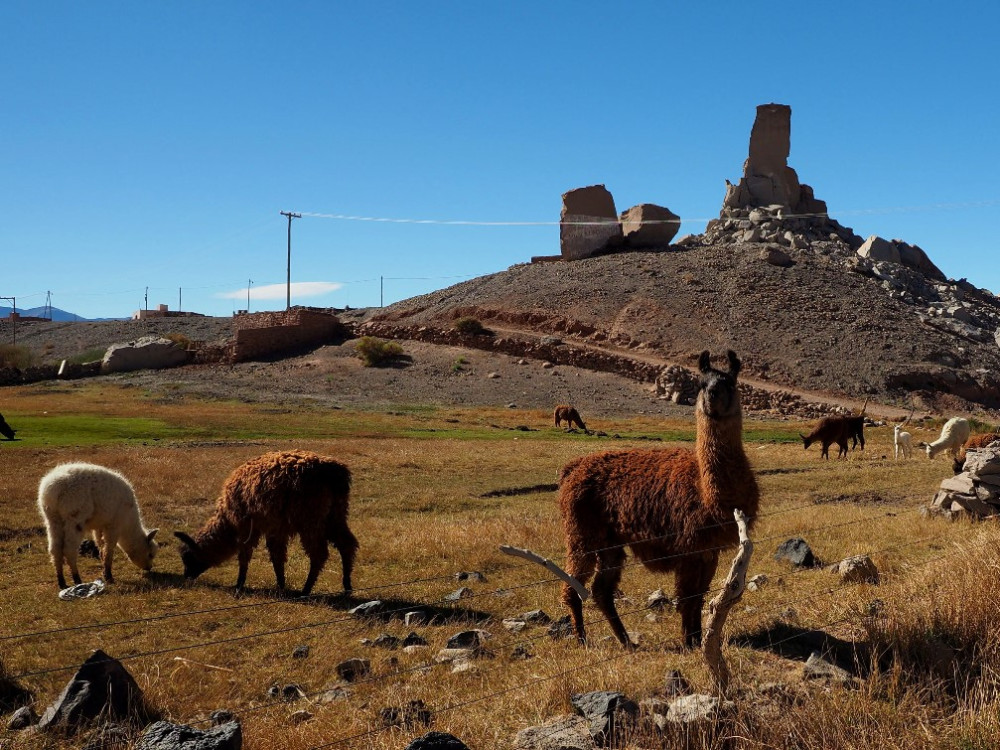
{"x":831,"y":430}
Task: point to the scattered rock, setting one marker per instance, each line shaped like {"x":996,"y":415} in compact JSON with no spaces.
{"x":659,"y":601}
{"x":89,"y":549}
{"x":166,"y":736}
{"x":817,"y":668}
{"x":300,"y":652}
{"x":416,"y":617}
{"x":514,"y":626}
{"x":776,"y":257}
{"x":473,"y":576}
{"x":437,"y":741}
{"x":608,"y":713}
{"x":698,"y":709}
{"x":536,"y":617}
{"x":413,"y":713}
{"x":561,"y":628}
{"x":473,"y":639}
{"x":353,"y":669}
{"x":757,"y":582}
{"x":462,"y":593}
{"x":101,"y":689}
{"x":413,"y":640}
{"x":520,"y":653}
{"x":368,"y":609}
{"x":857,"y":569}
{"x":559,"y":733}
{"x":221,"y":716}
{"x":300,"y":717}
{"x":797,"y":552}
{"x":876,"y":248}
{"x":387,"y":641}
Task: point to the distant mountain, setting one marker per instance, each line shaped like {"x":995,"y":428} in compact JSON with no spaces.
{"x":42,"y":312}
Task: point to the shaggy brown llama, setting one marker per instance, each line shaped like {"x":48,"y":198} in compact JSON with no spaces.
{"x":974,"y":443}
{"x":569,"y":415}
{"x":277,"y":495}
{"x":672,"y":507}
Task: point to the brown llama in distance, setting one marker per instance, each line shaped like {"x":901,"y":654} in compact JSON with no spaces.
{"x":830,"y":430}
{"x":277,"y":495}
{"x":974,"y":443}
{"x":672,"y":507}
{"x":569,"y":415}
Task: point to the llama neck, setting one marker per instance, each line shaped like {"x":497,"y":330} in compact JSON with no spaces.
{"x":726,"y":478}
{"x":217,"y":541}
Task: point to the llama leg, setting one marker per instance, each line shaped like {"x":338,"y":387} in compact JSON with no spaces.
{"x":57,"y":546}
{"x":107,"y":554}
{"x":609,"y":573}
{"x":277,"y":548}
{"x":318,"y":551}
{"x":693,"y":580}
{"x":347,"y":546}
{"x":71,"y":548}
{"x":245,"y":553}
{"x":581,"y":567}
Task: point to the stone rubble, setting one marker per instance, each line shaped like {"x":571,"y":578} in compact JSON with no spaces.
{"x":975,"y":493}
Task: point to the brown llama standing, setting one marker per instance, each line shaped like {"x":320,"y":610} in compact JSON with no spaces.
{"x":673,"y":508}
{"x":276,"y":496}
{"x":568,"y":414}
{"x":830,"y":430}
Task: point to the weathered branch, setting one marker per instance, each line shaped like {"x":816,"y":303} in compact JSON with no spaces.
{"x":718,"y":608}
{"x":550,"y":566}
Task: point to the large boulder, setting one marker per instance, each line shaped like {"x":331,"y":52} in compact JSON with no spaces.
{"x":588,"y":223}
{"x":147,"y":353}
{"x":876,"y":248}
{"x":101,"y":688}
{"x":560,"y":733}
{"x":648,"y":225}
{"x":915,"y":258}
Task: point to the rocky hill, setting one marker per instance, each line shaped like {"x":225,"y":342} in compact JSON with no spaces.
{"x":807,"y":302}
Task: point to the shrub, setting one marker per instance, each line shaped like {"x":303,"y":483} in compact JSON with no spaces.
{"x":12,"y":355}
{"x":470,"y":326}
{"x":376,"y":352}
{"x":91,"y":355}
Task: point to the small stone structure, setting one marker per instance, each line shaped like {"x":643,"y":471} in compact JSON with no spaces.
{"x":975,"y":492}
{"x":267,"y":333}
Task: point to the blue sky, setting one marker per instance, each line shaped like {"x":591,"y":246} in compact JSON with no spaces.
{"x":154,"y":144}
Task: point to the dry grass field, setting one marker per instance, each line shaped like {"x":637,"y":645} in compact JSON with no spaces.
{"x":424,"y":508}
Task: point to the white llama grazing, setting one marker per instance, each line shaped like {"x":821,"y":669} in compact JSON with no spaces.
{"x":902,"y":442}
{"x":953,"y":436}
{"x":75,"y":498}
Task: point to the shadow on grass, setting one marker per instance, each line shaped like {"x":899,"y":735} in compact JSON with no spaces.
{"x":793,"y":642}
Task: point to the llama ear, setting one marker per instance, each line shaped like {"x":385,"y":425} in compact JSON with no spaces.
{"x":150,"y":534}
{"x":734,"y":363}
{"x":186,"y":539}
{"x":704,"y":362}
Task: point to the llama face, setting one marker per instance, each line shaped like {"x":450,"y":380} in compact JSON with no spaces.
{"x":718,"y":397}
{"x":143,"y":557}
{"x":191,"y":558}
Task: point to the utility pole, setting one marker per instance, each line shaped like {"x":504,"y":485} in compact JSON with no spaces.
{"x":48,"y":305}
{"x":249,"y":284}
{"x":145,"y":300}
{"x":288,"y":284}
{"x":13,"y":317}
{"x":380,"y":290}
{"x":179,"y":308}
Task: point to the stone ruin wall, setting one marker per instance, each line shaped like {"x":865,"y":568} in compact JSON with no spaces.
{"x":266,"y":333}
